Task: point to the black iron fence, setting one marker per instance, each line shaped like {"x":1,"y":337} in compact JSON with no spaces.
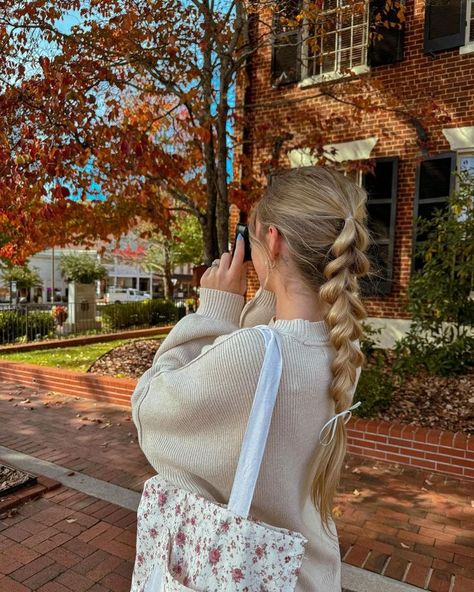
{"x":22,"y":323}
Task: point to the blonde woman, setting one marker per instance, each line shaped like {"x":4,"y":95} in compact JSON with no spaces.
{"x":308,"y":238}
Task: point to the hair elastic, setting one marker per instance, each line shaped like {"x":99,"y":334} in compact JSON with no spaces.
{"x":333,"y":421}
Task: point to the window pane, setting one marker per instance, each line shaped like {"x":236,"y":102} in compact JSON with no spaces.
{"x":379,"y":186}
{"x":345,"y":59}
{"x":378,"y":280}
{"x":435,"y":178}
{"x":379,"y":220}
{"x":466,"y":164}
{"x":427,"y":211}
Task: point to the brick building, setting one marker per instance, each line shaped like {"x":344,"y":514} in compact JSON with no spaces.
{"x":420,"y":76}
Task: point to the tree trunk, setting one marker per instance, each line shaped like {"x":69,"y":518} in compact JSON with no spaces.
{"x":222,"y":208}
{"x":211,"y":246}
{"x":168,"y":272}
{"x":208,"y":243}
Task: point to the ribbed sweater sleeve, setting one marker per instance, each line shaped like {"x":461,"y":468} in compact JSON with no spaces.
{"x":220,"y":313}
{"x":186,"y":354}
{"x":260,"y":310}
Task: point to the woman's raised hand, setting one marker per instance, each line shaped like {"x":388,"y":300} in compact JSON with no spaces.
{"x":228,"y":273}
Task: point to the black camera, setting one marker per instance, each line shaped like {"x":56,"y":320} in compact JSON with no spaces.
{"x":243,"y":230}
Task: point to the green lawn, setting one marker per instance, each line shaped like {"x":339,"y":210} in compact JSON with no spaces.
{"x":77,"y":358}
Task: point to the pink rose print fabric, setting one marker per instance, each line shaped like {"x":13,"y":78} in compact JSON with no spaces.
{"x":199,"y":545}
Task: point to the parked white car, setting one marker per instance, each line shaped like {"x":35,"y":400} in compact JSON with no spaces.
{"x":119,"y":295}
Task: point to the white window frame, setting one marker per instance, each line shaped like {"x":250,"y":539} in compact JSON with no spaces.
{"x":468,"y":46}
{"x":309,"y":80}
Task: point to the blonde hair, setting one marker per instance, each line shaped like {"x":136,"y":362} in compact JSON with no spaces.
{"x":322,"y":215}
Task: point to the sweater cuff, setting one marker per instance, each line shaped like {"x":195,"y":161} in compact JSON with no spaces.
{"x":218,"y":304}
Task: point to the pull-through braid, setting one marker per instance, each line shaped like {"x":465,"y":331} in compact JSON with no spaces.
{"x":346,"y":311}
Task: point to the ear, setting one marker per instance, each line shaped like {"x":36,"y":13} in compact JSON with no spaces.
{"x":274,"y":239}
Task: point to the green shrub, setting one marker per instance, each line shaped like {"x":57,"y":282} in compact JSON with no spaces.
{"x":16,"y":325}
{"x":162,"y":311}
{"x":368,"y":342}
{"x":137,"y":314}
{"x":374,"y":389}
{"x":414,"y":352}
{"x":82,"y":268}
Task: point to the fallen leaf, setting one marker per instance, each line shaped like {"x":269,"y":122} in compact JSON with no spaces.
{"x":405,"y":546}
{"x":356,"y":492}
{"x":337,"y":512}
{"x":71,"y":520}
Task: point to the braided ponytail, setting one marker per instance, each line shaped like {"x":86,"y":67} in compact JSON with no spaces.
{"x":307,"y":205}
{"x":346,"y":311}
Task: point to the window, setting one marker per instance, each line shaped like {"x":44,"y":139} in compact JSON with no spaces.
{"x":344,"y":35}
{"x":381,"y":187}
{"x":445,"y":24}
{"x":338,"y":40}
{"x":434,"y":184}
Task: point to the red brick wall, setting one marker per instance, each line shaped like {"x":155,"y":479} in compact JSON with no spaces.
{"x":435,"y":450}
{"x":438,"y":451}
{"x":446,"y":78}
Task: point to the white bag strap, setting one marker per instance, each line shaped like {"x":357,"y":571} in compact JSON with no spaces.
{"x":258,"y":425}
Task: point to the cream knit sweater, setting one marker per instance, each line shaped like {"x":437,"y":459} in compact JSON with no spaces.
{"x":191,"y":410}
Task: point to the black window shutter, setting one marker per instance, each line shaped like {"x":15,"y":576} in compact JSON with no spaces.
{"x":286,"y":46}
{"x":435,"y":182}
{"x":445,"y":24}
{"x":382,"y":188}
{"x":386,"y":33}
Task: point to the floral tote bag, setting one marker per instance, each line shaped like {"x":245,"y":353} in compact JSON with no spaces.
{"x":186,"y":542}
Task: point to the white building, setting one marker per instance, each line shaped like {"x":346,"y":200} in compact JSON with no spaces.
{"x":120,"y":274}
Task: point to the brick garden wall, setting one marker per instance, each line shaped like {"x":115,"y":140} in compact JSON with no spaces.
{"x":446,"y":78}
{"x":434,"y":450}
{"x":68,"y":382}
{"x":430,"y":449}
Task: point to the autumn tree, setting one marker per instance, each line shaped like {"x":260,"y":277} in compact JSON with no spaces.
{"x":23,"y":276}
{"x":161,"y":253}
{"x":132,"y":113}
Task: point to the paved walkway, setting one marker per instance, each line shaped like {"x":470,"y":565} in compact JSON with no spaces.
{"x":408,"y":525}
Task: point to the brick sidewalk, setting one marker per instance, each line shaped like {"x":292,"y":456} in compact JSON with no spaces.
{"x":410,"y":525}
{"x":67,"y":541}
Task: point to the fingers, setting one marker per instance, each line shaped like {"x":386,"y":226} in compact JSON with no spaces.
{"x":225,"y":261}
{"x":239,"y":253}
